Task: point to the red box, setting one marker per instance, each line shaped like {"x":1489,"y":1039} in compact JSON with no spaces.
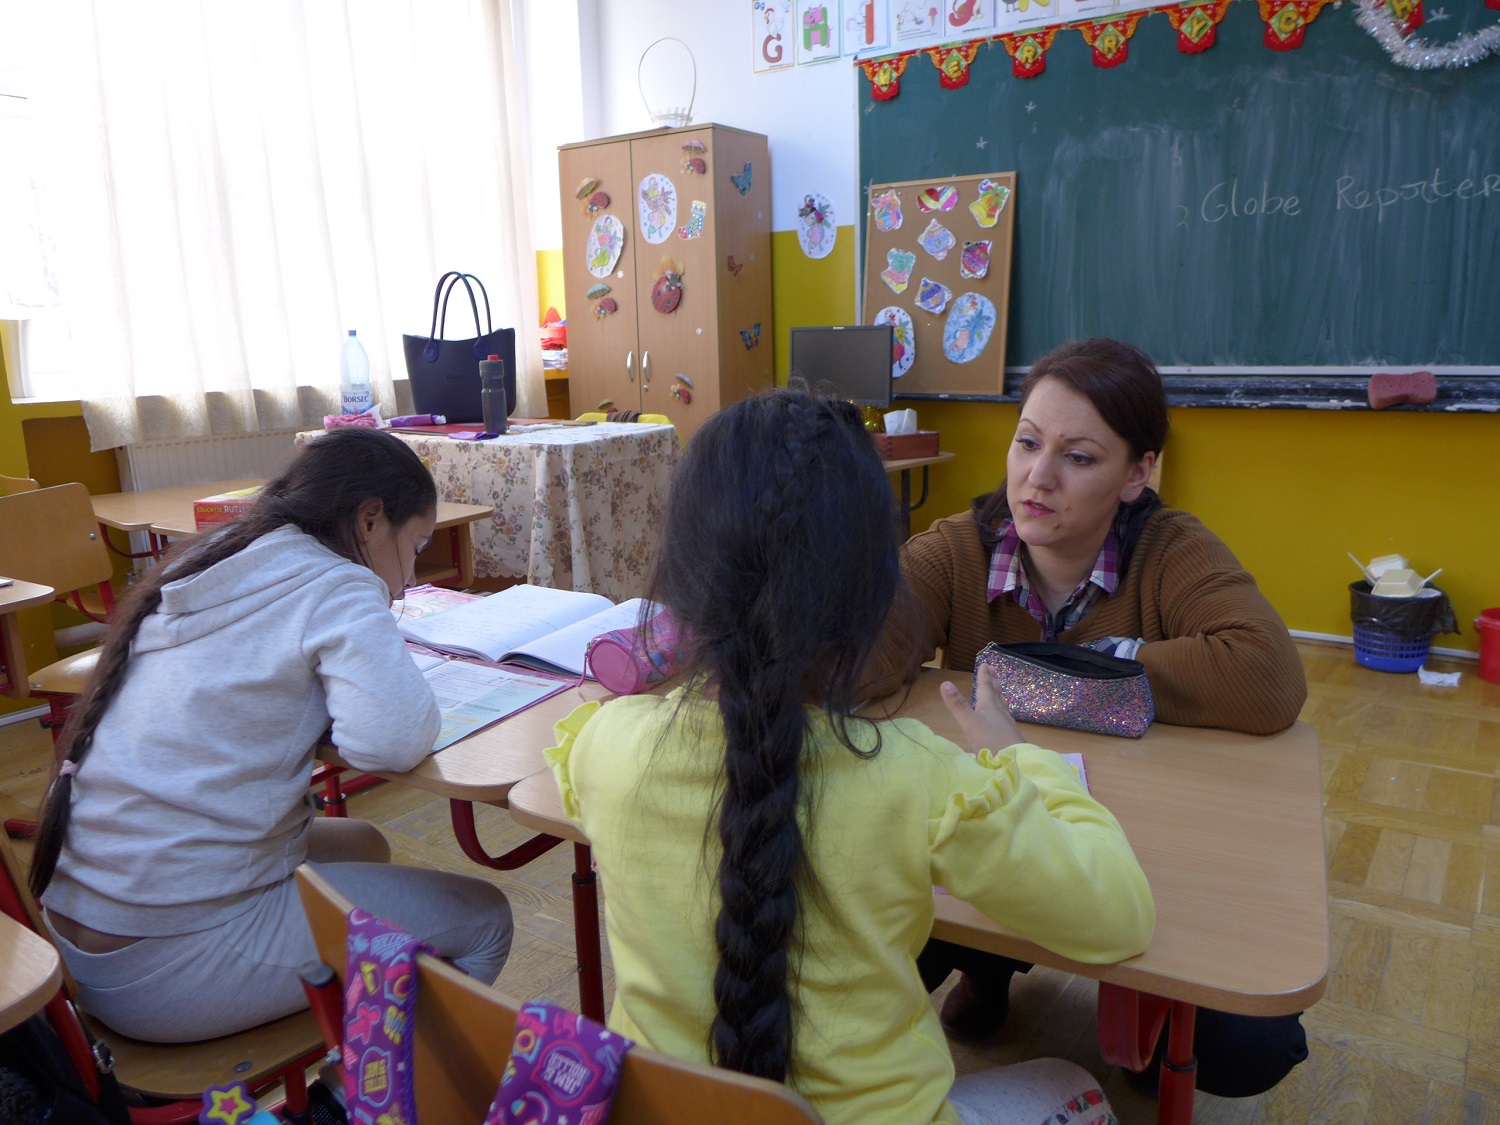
{"x":901,"y":447}
{"x":214,"y":510}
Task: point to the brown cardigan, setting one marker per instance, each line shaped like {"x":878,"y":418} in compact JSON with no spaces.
{"x":1216,"y":653}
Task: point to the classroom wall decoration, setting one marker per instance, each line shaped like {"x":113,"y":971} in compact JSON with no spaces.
{"x":883,"y":36}
{"x":816,"y":229}
{"x":937,"y":270}
{"x":1262,"y":252}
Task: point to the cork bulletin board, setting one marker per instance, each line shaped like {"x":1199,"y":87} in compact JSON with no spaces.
{"x":937,"y":269}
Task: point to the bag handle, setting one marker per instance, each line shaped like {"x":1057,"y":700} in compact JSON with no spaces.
{"x":445,"y":286}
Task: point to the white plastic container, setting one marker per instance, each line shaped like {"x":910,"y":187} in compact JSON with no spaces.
{"x":354,"y":377}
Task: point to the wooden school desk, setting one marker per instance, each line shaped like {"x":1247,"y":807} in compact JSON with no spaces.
{"x":1229,"y":830}
{"x":30,"y":973}
{"x":904,"y":467}
{"x":167,"y":513}
{"x":13,"y":598}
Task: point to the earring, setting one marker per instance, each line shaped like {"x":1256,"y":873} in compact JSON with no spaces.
{"x":1130,"y":494}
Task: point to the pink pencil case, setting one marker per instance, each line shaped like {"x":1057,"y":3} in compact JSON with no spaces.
{"x":627,"y":661}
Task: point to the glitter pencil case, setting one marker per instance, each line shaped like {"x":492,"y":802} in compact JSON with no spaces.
{"x":1070,"y":686}
{"x":626,"y":661}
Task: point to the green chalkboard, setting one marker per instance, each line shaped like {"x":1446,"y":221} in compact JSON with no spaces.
{"x":1272,"y":227}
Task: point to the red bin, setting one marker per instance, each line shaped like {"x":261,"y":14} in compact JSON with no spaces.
{"x":1488,"y":624}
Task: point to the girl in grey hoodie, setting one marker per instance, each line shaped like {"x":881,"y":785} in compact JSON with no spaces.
{"x":181,"y":805}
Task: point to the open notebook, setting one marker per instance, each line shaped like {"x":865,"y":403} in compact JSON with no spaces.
{"x":532,"y":625}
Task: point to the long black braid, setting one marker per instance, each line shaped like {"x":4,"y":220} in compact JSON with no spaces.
{"x":779,"y":556}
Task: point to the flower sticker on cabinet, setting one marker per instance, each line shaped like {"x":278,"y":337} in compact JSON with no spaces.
{"x":658,"y":206}
{"x":903,"y":338}
{"x":606,"y":240}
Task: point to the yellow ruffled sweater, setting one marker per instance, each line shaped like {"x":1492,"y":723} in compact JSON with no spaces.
{"x":1012,"y":832}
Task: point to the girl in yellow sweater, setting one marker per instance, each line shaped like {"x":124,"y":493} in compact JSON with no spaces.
{"x":768,"y":857}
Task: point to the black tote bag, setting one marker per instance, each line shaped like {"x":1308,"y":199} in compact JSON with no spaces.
{"x":444,"y":374}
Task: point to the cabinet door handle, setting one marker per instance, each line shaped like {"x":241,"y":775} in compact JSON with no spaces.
{"x":630,"y":365}
{"x":646,"y":370}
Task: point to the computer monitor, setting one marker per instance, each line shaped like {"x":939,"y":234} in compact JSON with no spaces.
{"x":852,"y":361}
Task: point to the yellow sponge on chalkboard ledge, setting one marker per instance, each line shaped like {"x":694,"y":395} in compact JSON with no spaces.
{"x":1415,"y":387}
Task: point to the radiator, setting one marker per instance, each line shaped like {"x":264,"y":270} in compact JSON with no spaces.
{"x":157,"y":464}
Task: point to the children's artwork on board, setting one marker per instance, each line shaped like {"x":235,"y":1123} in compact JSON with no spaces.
{"x":916,"y":21}
{"x":897,"y":273}
{"x":815,"y":227}
{"x":658,"y":205}
{"x":969,"y":328}
{"x":771,"y":35}
{"x":903,"y":338}
{"x":933,"y":296}
{"x":974,"y":260}
{"x":937,"y":240}
{"x":866,"y":26}
{"x":817,"y":31}
{"x":965,"y":18}
{"x":992,"y":200}
{"x":606,"y":240}
{"x":885,"y":207}
{"x":943,"y":198}
{"x":949,"y":315}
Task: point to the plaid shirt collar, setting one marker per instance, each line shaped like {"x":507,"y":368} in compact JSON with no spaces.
{"x":1008,"y":576}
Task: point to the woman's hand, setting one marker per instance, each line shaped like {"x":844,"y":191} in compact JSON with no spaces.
{"x":988,"y":724}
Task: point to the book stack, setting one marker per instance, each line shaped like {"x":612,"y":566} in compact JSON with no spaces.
{"x":214,"y":510}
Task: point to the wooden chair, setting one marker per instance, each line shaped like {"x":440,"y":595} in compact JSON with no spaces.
{"x":173,"y":1076}
{"x":50,"y":536}
{"x":463,"y":1033}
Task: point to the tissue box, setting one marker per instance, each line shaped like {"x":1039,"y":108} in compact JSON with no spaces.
{"x":226,"y":506}
{"x":901,"y":447}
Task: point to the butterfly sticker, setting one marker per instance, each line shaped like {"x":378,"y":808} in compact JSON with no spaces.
{"x":735,"y":265}
{"x":742,"y":179}
{"x":750,"y":337}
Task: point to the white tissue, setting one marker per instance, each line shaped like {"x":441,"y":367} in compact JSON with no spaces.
{"x":1438,"y":679}
{"x":901,"y":422}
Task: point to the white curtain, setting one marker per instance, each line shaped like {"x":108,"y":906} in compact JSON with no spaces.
{"x":229,"y":187}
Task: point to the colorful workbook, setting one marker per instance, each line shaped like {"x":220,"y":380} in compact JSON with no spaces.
{"x":532,"y":625}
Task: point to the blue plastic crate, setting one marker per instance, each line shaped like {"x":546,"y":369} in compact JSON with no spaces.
{"x":1386,"y":652}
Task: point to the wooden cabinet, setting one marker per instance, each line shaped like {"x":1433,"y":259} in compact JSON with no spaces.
{"x":715,"y":347}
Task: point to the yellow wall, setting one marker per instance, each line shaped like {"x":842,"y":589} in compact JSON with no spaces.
{"x":1290,"y":491}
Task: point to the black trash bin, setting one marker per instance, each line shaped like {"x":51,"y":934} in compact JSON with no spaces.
{"x":1395,"y":634}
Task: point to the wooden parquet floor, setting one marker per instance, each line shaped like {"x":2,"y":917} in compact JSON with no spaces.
{"x":1408,"y":1032}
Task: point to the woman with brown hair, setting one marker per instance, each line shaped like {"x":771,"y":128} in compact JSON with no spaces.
{"x":1075,"y":547}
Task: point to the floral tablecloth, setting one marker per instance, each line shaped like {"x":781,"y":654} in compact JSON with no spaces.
{"x":575,"y":509}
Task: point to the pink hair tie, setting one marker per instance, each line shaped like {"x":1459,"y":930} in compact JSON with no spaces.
{"x":69,"y":768}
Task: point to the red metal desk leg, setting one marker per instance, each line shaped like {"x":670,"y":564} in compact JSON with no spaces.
{"x":1179,"y":1070}
{"x":1130,"y":1023}
{"x":462,"y":813}
{"x":586,"y":934}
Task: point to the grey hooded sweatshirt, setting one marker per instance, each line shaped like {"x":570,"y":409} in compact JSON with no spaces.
{"x":194,"y":795}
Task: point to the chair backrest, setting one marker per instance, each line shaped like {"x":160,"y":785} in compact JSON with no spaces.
{"x":9,"y":486}
{"x":463,"y":1034}
{"x":50,"y":535}
{"x":593,"y":416}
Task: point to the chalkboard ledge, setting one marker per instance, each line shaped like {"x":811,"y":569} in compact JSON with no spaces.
{"x":1457,"y":393}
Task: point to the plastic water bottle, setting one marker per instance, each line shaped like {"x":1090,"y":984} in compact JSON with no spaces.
{"x":492,"y":394}
{"x":354,"y":385}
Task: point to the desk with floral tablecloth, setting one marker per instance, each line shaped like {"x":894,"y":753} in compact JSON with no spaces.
{"x":575,"y":508}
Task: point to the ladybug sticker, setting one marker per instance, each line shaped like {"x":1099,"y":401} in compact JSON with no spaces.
{"x":666,"y":292}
